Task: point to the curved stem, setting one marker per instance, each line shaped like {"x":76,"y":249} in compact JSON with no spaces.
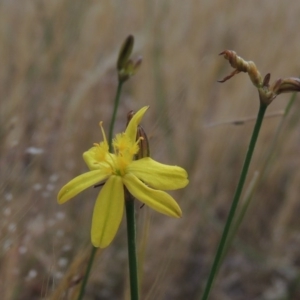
{"x":113,"y":117}
{"x":132,"y":257}
{"x":236,"y":198}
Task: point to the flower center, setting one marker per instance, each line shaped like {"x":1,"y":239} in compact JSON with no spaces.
{"x":124,"y":149}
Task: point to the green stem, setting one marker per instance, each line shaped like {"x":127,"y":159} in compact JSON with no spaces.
{"x":111,"y":129}
{"x":113,"y":117}
{"x":87,"y":273}
{"x":132,"y":257}
{"x":258,"y":178}
{"x":236,"y":198}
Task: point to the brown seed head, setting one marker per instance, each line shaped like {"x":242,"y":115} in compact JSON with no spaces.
{"x":267,"y":92}
{"x":241,"y":65}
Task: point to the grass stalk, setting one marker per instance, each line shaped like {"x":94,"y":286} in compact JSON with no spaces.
{"x":131,"y":243}
{"x":87,"y":273}
{"x":258,"y":178}
{"x":235,"y":201}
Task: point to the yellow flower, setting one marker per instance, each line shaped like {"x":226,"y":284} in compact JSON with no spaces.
{"x":143,"y":178}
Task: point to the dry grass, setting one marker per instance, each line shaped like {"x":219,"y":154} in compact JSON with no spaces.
{"x":57,"y":81}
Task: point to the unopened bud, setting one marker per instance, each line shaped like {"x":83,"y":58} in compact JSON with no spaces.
{"x":125,"y":52}
{"x":125,"y":66}
{"x":286,"y":85}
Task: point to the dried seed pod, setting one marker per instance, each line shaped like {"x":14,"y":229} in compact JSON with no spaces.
{"x":241,"y":65}
{"x":266,"y":92}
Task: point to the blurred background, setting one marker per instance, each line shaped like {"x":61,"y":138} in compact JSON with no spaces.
{"x":58,"y":80}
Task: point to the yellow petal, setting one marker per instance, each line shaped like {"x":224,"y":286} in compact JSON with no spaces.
{"x":134,"y":122}
{"x":93,"y":163}
{"x":108,"y":212}
{"x":158,"y":200}
{"x":90,"y":158}
{"x":157,"y":175}
{"x":78,"y":184}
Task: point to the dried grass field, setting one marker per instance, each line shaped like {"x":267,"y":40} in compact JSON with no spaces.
{"x":58,"y":80}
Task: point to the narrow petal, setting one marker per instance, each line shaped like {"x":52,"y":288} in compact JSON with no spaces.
{"x":157,"y":175}
{"x":134,"y":122}
{"x":108,"y":212}
{"x":80,"y":183}
{"x":93,"y":162}
{"x":158,"y":200}
{"x":90,"y":158}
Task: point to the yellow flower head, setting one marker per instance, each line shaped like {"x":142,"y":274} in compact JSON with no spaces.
{"x":144,"y":179}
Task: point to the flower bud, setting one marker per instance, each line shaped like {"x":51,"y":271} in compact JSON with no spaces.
{"x":286,"y":85}
{"x":125,"y":66}
{"x":125,"y":52}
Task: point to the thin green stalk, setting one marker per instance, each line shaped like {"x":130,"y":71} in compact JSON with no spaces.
{"x":239,"y":216}
{"x":235,"y":201}
{"x":258,"y":177}
{"x":113,"y":117}
{"x":131,"y":242}
{"x":87,"y":273}
{"x":111,"y":129}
